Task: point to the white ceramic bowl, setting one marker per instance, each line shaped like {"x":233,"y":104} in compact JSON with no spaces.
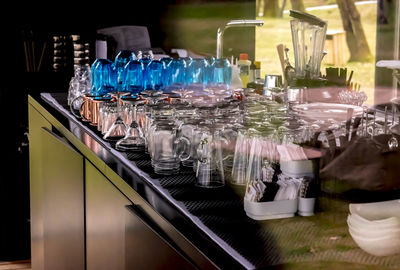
{"x":382,"y":246}
{"x":366,"y":232}
{"x":358,"y":222}
{"x":375,"y":234}
{"x":377,"y":210}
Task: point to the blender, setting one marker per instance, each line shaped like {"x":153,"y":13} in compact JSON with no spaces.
{"x":308,"y":37}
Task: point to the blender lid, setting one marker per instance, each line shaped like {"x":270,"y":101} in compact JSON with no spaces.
{"x":307,"y":17}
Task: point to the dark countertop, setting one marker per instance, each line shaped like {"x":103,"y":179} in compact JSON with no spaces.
{"x":214,"y":219}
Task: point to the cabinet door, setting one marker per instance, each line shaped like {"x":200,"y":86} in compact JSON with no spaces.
{"x":118,"y":238}
{"x":105,"y":222}
{"x":36,"y":122}
{"x":148,"y":247}
{"x":62,"y":199}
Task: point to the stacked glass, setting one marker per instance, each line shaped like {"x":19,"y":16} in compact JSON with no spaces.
{"x":182,"y":113}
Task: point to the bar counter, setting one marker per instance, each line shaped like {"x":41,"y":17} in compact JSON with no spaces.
{"x":200,"y":228}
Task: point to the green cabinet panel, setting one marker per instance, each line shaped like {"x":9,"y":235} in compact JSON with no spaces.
{"x":105,"y":222}
{"x":56,"y":195}
{"x":36,"y":122}
{"x":63,"y":204}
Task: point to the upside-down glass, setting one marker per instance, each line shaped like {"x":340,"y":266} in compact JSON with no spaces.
{"x":145,"y":57}
{"x":210,"y":169}
{"x":156,"y":113}
{"x":255,"y":162}
{"x":134,"y":139}
{"x":176,"y":74}
{"x":165,"y":61}
{"x":197,"y":74}
{"x":107,"y":116}
{"x":189,"y":129}
{"x":168,"y":150}
{"x":221,"y":73}
{"x":122,"y":58}
{"x":105,"y":78}
{"x":154,"y":75}
{"x":118,"y":129}
{"x":80,"y":84}
{"x":133,"y":77}
{"x":93,"y":80}
{"x":240,"y":159}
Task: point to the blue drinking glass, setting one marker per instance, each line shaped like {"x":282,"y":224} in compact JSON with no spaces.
{"x":145,"y":58}
{"x":188,"y":60}
{"x":221,"y":73}
{"x":176,"y":74}
{"x":165,"y":74}
{"x":154,"y":75}
{"x":211,"y":60}
{"x":166,"y":60}
{"x":93,"y":79}
{"x":196,"y":74}
{"x":133,"y":77}
{"x":122,"y":58}
{"x":105,"y":78}
{"x":210,"y":70}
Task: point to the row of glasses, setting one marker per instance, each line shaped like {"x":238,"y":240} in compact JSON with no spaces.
{"x":201,"y":136}
{"x":205,"y":133}
{"x":134,"y":74}
{"x":267,"y":127}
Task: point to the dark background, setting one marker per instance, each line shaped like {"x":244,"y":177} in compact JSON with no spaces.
{"x":43,"y":20}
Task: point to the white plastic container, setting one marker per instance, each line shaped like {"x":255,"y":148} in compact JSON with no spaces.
{"x":306,"y":207}
{"x":271,"y":210}
{"x":297,"y":168}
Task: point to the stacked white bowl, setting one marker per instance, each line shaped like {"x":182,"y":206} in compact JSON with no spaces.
{"x":375,"y":227}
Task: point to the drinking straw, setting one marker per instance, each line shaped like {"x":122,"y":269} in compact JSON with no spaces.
{"x":349,"y":80}
{"x":29,"y":56}
{"x":33,"y":56}
{"x":41,"y":56}
{"x":26,"y":56}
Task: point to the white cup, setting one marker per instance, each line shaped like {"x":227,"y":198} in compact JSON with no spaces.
{"x":306,"y":207}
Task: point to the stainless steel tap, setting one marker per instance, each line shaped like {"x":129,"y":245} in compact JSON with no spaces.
{"x":233,"y":23}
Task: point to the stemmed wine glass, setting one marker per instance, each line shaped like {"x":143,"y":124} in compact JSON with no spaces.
{"x":183,"y":93}
{"x":217,"y":94}
{"x":152,"y":96}
{"x":134,"y":139}
{"x":118,"y":129}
